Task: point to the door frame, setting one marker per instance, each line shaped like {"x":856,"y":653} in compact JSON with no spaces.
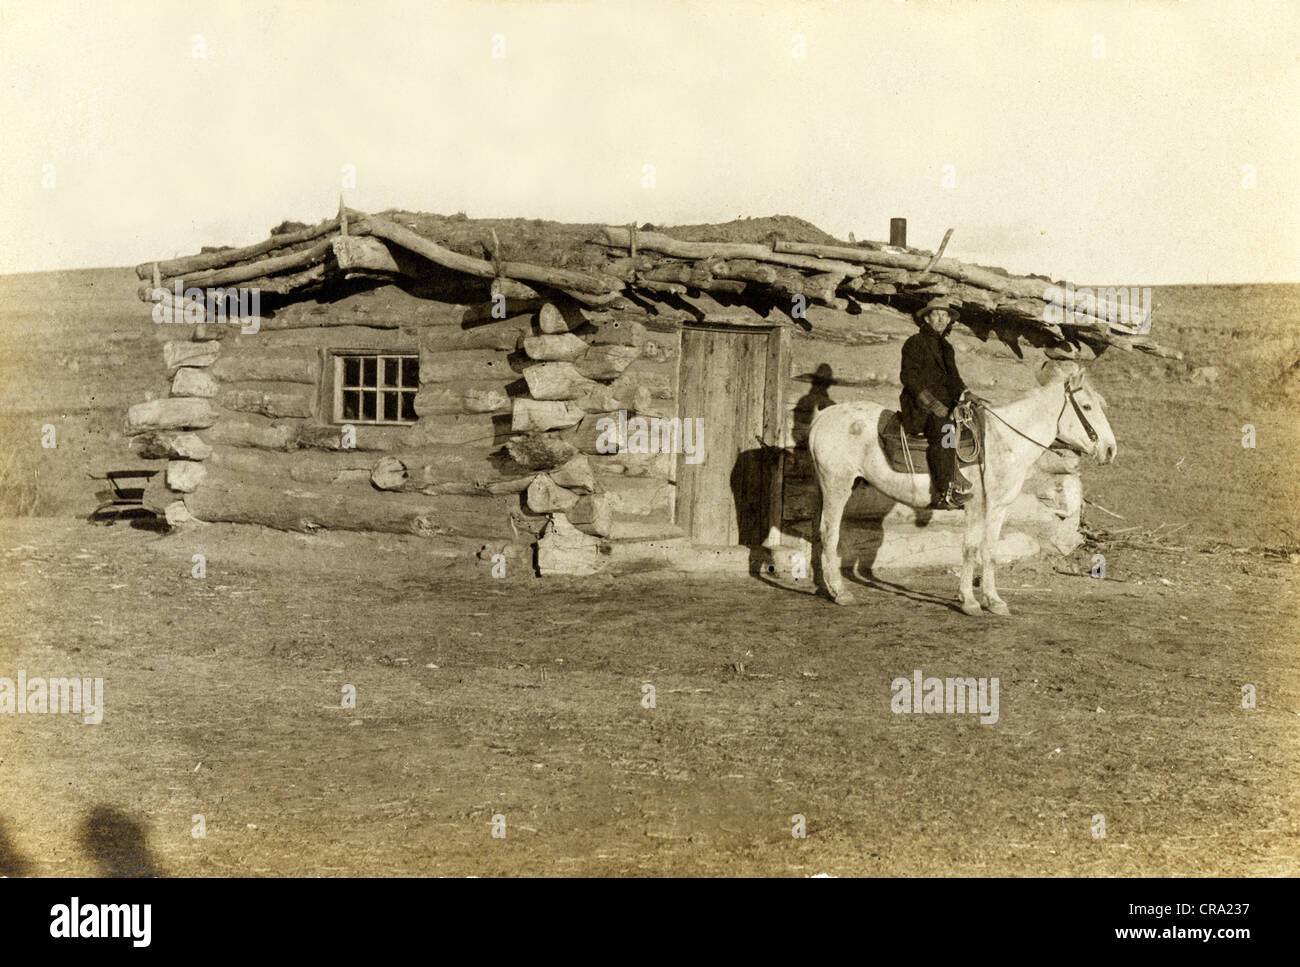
{"x":777,"y":336}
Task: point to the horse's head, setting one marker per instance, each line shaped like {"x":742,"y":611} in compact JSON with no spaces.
{"x":1084,"y":408}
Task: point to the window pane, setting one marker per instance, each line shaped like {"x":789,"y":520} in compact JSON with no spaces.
{"x":378,"y":387}
{"x":411,"y":371}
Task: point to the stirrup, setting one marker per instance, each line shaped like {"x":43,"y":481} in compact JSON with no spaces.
{"x":952,"y":499}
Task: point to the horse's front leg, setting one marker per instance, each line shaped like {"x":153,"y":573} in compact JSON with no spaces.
{"x":970,"y":546}
{"x":988,"y":584}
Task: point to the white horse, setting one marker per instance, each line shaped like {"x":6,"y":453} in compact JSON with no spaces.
{"x":844,"y":446}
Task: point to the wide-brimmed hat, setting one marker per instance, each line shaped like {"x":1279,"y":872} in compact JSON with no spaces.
{"x":938,"y":302}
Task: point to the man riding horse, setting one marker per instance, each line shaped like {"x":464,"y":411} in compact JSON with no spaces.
{"x":932,"y":391}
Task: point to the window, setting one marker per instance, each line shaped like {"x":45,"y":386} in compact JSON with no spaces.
{"x":375,"y":387}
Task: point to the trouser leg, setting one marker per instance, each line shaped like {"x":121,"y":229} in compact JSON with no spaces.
{"x":949,"y":485}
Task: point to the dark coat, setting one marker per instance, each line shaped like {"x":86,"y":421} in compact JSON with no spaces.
{"x":929,"y":376}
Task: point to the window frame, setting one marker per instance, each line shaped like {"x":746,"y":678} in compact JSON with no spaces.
{"x":338,"y":386}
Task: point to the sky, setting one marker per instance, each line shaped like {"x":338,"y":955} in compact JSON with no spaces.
{"x":1141,"y":143}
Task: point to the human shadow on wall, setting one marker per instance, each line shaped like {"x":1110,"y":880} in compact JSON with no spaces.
{"x":117,"y":844}
{"x":755,"y":466}
{"x":817,"y":398}
{"x":801,"y":503}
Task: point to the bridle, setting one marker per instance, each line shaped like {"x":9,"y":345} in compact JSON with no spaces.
{"x":1078,"y":411}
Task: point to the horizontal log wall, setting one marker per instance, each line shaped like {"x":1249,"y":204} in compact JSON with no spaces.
{"x":264,"y":402}
{"x":246,"y":498}
{"x":263,"y":363}
{"x":549,"y":374}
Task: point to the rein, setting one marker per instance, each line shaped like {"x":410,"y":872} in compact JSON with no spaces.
{"x":1069,"y":396}
{"x":965,"y":416}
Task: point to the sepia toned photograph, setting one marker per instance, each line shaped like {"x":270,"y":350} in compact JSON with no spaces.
{"x":648,"y":439}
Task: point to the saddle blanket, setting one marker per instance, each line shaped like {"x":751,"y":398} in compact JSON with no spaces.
{"x":893,"y":440}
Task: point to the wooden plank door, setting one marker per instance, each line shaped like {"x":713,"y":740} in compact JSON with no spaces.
{"x":724,"y":377}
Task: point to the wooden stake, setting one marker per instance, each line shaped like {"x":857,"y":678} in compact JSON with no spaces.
{"x":496,"y":254}
{"x":343,"y":217}
{"x":937,"y":255}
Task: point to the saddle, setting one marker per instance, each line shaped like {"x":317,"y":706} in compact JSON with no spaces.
{"x":906,"y":451}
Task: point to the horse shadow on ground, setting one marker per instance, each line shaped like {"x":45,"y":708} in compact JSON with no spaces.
{"x":877,"y":583}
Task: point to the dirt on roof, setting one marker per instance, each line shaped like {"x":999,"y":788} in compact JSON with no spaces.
{"x":569,"y":245}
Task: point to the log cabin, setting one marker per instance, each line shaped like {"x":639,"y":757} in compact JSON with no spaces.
{"x":581,"y":397}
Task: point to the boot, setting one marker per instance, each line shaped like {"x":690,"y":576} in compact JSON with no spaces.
{"x":949,"y":489}
{"x":957,"y":499}
{"x":950,"y":498}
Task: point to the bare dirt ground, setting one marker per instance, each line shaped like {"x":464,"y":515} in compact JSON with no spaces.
{"x":478,"y":697}
{"x":520,"y":697}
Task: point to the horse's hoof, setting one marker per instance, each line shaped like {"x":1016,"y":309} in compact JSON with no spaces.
{"x":999,"y":607}
{"x":972,"y":608}
{"x":844,"y":597}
